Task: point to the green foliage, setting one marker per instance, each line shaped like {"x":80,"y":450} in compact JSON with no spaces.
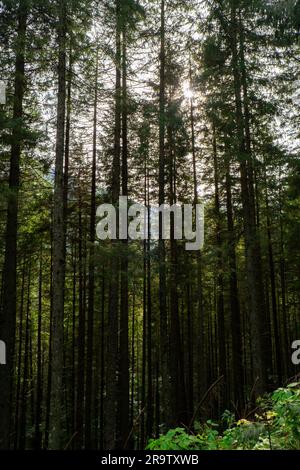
{"x":275,"y":426}
{"x":213,"y":55}
{"x":175,"y":439}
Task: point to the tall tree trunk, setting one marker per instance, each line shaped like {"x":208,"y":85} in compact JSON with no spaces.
{"x":49,"y":373}
{"x":252,"y":244}
{"x":124,"y":352}
{"x":56,"y":437}
{"x":273,"y":292}
{"x":19,"y":362}
{"x":81,"y":332}
{"x":235,"y":314}
{"x":132,"y":398}
{"x":149,"y":424}
{"x":91,"y":287}
{"x":102,"y":371}
{"x":202,"y":373}
{"x":39,"y":385}
{"x":113,"y":314}
{"x":67,"y":142}
{"x":164,"y":372}
{"x":190,"y":352}
{"x":220,"y":311}
{"x":284,"y":308}
{"x":177,"y":396}
{"x":73,"y":359}
{"x":144,"y":346}
{"x":251,"y":171}
{"x":25,"y":388}
{"x":8,"y":308}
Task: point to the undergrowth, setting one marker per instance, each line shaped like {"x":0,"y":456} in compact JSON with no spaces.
{"x":275,"y":426}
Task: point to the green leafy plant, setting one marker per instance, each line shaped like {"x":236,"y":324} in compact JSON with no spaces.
{"x":175,"y":439}
{"x":276,"y":425}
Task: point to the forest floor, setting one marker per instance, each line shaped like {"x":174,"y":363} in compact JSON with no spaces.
{"x":274,"y":425}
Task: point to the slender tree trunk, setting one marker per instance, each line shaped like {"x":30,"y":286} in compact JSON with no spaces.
{"x":149,"y":423}
{"x":124,"y":351}
{"x":91,"y":287}
{"x":202,"y":373}
{"x":190,"y":352}
{"x":178,"y":397}
{"x":164,"y":372}
{"x":8,"y":308}
{"x":39,"y":385}
{"x":144,"y":347}
{"x":49,"y":374}
{"x":285,"y":329}
{"x":235,"y":314}
{"x":102,"y":371}
{"x":81,"y":333}
{"x":273,"y":294}
{"x":113,"y":314}
{"x":252,"y":245}
{"x":19,"y":363}
{"x":65,"y":212}
{"x":24,"y":399}
{"x":67,"y":143}
{"x":221,"y":332}
{"x":132,"y":361}
{"x":73,"y":360}
{"x":251,"y":172}
{"x":56,"y":437}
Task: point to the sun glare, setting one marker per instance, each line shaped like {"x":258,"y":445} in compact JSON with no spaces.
{"x":187,"y":91}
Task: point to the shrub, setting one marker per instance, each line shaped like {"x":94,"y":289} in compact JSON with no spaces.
{"x":275,"y":426}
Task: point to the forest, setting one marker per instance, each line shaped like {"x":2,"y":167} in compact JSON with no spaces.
{"x":124,"y":343}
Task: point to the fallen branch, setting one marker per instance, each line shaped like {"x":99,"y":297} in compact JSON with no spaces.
{"x":203,"y":400}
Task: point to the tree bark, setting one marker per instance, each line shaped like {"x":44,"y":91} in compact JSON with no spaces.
{"x":235,"y":314}
{"x":91,"y":287}
{"x":56,"y":434}
{"x":8,"y":308}
{"x":252,"y":243}
{"x":39,"y":385}
{"x":164,"y":370}
{"x":113,"y":313}
{"x":220,"y":311}
{"x":124,"y":348}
